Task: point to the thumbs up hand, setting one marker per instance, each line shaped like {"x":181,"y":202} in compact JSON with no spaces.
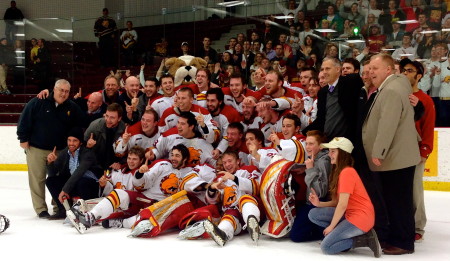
{"x":91,"y":142}
{"x":200,"y":119}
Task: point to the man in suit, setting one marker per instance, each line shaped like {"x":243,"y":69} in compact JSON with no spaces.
{"x":390,"y":142}
{"x":337,"y":102}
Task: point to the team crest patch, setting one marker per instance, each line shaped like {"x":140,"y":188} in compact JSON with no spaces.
{"x":169,"y":184}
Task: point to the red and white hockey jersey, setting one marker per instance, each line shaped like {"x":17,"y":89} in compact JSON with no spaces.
{"x":120,"y":179}
{"x":169,"y":119}
{"x":203,"y":173}
{"x":266,"y":155}
{"x":138,"y":138}
{"x":161,"y":180}
{"x":229,"y":99}
{"x":226,"y":116}
{"x":200,"y":150}
{"x":163,"y":103}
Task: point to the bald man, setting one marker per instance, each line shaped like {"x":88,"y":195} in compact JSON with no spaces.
{"x":129,"y":100}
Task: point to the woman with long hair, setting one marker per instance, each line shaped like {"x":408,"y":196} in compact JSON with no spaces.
{"x":349,"y":217}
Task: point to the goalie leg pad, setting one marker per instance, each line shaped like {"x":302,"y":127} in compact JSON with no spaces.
{"x":279,"y":207}
{"x":165,"y":214}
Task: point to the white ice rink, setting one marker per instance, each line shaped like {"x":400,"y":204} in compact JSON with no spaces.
{"x":31,"y":238}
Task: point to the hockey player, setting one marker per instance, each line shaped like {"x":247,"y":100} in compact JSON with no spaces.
{"x":272,"y":119}
{"x":236,"y":143}
{"x":238,"y":91}
{"x":251,"y":120}
{"x":259,"y":155}
{"x":184,"y":103}
{"x":187,"y":134}
{"x":168,"y":89}
{"x":290,"y":145}
{"x":234,"y":188}
{"x":143,"y":134}
{"x":152,"y":185}
{"x":222,"y":115}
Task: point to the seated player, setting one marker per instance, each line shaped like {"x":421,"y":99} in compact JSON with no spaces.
{"x":234,"y":188}
{"x":259,"y":155}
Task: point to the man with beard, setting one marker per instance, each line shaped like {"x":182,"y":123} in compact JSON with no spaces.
{"x":222,"y":116}
{"x":236,"y":93}
{"x":72,"y":172}
{"x":101,"y":134}
{"x":274,"y":89}
{"x":186,"y":133}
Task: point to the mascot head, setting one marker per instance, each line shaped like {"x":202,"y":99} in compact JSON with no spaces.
{"x":184,"y":68}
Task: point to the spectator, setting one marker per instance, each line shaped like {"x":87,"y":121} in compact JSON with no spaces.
{"x":353,"y":15}
{"x":376,"y":39}
{"x":42,"y":65}
{"x":128,"y":40}
{"x":44,"y":125}
{"x":6,"y":60}
{"x":12,"y":14}
{"x":291,"y":8}
{"x":268,"y":50}
{"x":395,"y":37}
{"x":105,"y":29}
{"x":207,"y":50}
{"x":336,"y":21}
{"x":392,"y":13}
{"x":406,"y":50}
{"x":185,"y":48}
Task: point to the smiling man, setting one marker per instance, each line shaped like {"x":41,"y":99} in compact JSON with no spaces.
{"x":43,"y":125}
{"x":390,"y":141}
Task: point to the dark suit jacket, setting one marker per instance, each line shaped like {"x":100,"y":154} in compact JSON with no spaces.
{"x":348,"y":88}
{"x":60,"y":167}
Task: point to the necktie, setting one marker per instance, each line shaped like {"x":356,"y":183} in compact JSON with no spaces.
{"x":331,"y":88}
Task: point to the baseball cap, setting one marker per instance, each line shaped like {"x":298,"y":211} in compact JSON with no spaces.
{"x":416,"y":64}
{"x":339,"y":143}
{"x":184,"y":43}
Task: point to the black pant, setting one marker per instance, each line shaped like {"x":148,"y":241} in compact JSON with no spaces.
{"x":303,"y":229}
{"x":86,"y":188}
{"x":398,"y":196}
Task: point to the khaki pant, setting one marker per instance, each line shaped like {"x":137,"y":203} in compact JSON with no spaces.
{"x":3,"y":72}
{"x":420,"y":216}
{"x":37,"y":172}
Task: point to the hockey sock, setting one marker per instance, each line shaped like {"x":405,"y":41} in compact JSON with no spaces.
{"x":230,"y":225}
{"x":248,"y":209}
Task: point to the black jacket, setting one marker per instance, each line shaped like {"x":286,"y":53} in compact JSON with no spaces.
{"x":348,"y":88}
{"x":45,"y":126}
{"x":60,"y":167}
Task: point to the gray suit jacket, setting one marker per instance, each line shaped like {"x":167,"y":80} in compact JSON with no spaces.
{"x":388,"y":131}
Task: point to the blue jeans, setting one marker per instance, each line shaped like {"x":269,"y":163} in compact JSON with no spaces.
{"x":340,"y":238}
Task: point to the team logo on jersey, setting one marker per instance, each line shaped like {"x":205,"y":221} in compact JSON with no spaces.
{"x":194,"y":156}
{"x":229,"y":196}
{"x":169,"y":184}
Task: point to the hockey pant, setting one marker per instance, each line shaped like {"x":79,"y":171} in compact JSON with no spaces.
{"x":121,"y":204}
{"x":234,"y":221}
{"x":165,"y":214}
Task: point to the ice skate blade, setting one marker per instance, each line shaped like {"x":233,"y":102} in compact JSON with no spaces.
{"x":76,"y":224}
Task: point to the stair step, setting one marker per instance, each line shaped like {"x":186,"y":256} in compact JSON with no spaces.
{"x":9,"y":118}
{"x":16,"y":98}
{"x":11,"y":107}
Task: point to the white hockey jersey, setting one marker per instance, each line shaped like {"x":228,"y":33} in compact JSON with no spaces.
{"x":200,"y":150}
{"x":138,"y":139}
{"x":203,"y":173}
{"x":266,"y":156}
{"x":227,"y":115}
{"x":162,"y":104}
{"x":161,"y":180}
{"x":120,"y":179}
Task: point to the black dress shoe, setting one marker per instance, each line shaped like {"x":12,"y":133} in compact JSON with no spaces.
{"x":393,"y":250}
{"x":58,"y":215}
{"x":44,"y":214}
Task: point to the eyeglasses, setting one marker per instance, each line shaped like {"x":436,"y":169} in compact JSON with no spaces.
{"x":408,"y":70}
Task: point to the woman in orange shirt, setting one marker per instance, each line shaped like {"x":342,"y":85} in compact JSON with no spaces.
{"x":349,"y":217}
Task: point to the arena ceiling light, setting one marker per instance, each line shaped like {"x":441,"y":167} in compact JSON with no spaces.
{"x":355,"y":41}
{"x":407,"y":22}
{"x":429,"y":32}
{"x":231,"y":3}
{"x":283,"y":17}
{"x":64,"y":31}
{"x":325,"y":30}
{"x":445,"y":29}
{"x":387,"y":49}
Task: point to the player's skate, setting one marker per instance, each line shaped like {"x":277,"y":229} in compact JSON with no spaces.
{"x":72,"y":217}
{"x":142,"y":227}
{"x":194,"y":231}
{"x":109,"y":223}
{"x":4,"y":223}
{"x":253,"y":228}
{"x":219,"y":236}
